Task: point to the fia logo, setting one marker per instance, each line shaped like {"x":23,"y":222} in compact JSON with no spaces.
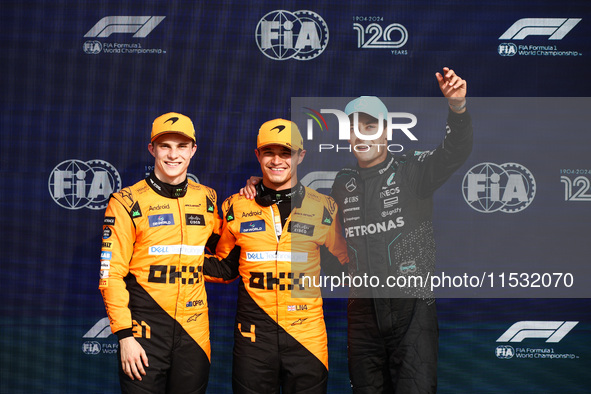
{"x":504,"y":352}
{"x":509,"y":187}
{"x":75,"y":184}
{"x":282,"y":35}
{"x":507,"y":49}
{"x":92,"y":47}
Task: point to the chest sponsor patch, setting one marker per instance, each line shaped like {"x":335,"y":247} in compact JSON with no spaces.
{"x":252,"y":213}
{"x":294,"y":308}
{"x":188,"y":250}
{"x":165,"y":219}
{"x":194,"y":219}
{"x":301,"y":228}
{"x":272,"y":255}
{"x":252,"y":227}
{"x":109,"y":221}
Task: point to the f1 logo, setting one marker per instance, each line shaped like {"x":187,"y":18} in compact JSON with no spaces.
{"x":556,"y":28}
{"x":139,"y":26}
{"x":101,"y":329}
{"x":554,"y":331}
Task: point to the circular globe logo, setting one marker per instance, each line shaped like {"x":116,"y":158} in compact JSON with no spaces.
{"x":504,"y":352}
{"x":507,"y":49}
{"x":489,"y":187}
{"x":92,"y":47}
{"x":91,"y":347}
{"x":75,"y":184}
{"x":300,"y":35}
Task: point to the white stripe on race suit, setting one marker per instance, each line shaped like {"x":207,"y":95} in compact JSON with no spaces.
{"x":272,"y":255}
{"x":189,"y":250}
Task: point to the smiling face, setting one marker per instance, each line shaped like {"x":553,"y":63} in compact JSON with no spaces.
{"x":279,"y":166}
{"x":368,"y":152}
{"x":172,"y":154}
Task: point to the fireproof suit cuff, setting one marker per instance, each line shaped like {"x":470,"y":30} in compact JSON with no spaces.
{"x":458,"y":120}
{"x":126,"y":332}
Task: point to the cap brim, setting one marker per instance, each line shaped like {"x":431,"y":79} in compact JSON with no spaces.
{"x":278,"y":143}
{"x":154,"y":137}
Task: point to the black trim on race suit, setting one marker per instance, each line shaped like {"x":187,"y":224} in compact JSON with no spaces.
{"x":296,"y":369}
{"x":286,"y":199}
{"x":165,"y":189}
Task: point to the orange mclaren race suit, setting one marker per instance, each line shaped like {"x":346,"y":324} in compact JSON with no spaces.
{"x":280,"y":335}
{"x":154,"y":237}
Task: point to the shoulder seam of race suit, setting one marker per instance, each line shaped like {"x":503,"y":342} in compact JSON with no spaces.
{"x":124,"y":207}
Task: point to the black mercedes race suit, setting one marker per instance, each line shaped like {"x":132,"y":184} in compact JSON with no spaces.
{"x":387,"y":218}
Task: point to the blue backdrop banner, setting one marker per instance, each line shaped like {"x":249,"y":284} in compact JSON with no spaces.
{"x":83,"y":81}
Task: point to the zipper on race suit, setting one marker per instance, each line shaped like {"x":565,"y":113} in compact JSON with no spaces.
{"x":276,"y":217}
{"x":179,"y":287}
{"x":281,"y":297}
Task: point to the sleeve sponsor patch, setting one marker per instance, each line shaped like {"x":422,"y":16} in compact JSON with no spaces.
{"x":326,"y":217}
{"x":230,"y":214}
{"x":136,"y":212}
{"x":107,"y":232}
{"x":210,"y":205}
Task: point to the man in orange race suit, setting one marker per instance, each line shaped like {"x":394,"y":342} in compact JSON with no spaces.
{"x":152,"y":259}
{"x":393,"y":335}
{"x":280,"y":336}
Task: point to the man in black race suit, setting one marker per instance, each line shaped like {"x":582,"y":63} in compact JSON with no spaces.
{"x":386,"y":204}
